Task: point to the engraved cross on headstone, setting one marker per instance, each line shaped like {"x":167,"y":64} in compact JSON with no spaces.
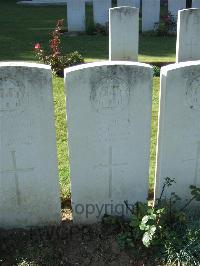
{"x":110,"y":166}
{"x":15,"y":170}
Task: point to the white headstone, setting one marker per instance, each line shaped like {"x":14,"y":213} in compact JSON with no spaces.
{"x":108,"y":107}
{"x":123,"y":33}
{"x":133,"y":3}
{"x":29,"y":190}
{"x":150,"y":14}
{"x":76,"y":15}
{"x":178,"y":152}
{"x":188,"y":35}
{"x":137,"y":3}
{"x":101,"y":11}
{"x":196,"y":3}
{"x":175,"y":5}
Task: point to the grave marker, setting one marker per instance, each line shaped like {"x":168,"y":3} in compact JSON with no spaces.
{"x":175,"y":5}
{"x":132,"y":3}
{"x":196,"y":3}
{"x":108,"y":106}
{"x":188,"y":35}
{"x":76,"y":15}
{"x":101,"y":11}
{"x":150,"y":14}
{"x":178,"y":152}
{"x":123,"y":33}
{"x":29,"y":191}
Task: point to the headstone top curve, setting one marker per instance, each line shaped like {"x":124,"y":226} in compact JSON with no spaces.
{"x":189,"y":10}
{"x":106,"y":63}
{"x":166,"y":69}
{"x":24,"y":64}
{"x":124,"y":7}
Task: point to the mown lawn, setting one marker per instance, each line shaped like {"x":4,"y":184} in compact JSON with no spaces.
{"x":22,"y":27}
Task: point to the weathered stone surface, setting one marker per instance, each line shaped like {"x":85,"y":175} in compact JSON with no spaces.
{"x":137,"y":3}
{"x":109,"y":121}
{"x":101,"y":11}
{"x":132,"y":3}
{"x":29,"y":191}
{"x":150,"y":14}
{"x":196,"y":3}
{"x":124,"y":33}
{"x":188,"y":35}
{"x":175,"y":5}
{"x":178,"y":152}
{"x":76,"y":15}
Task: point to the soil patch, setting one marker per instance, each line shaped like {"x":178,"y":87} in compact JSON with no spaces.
{"x":67,"y":244}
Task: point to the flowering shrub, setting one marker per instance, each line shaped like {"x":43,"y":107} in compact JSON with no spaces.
{"x":55,"y":59}
{"x":166,"y":25}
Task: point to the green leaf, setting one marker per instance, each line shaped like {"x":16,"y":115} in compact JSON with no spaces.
{"x":142,"y":227}
{"x":152,"y":230}
{"x":134,"y":222}
{"x":145,"y":219}
{"x":146,"y":240}
{"x":159,"y":211}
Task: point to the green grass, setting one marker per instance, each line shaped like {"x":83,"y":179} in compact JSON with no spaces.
{"x":61,"y":129}
{"x":154,"y":125}
{"x":157,"y":49}
{"x":21,"y":27}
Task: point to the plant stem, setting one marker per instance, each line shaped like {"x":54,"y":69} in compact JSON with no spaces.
{"x":128,"y":207}
{"x":187,"y":204}
{"x":163,"y":189}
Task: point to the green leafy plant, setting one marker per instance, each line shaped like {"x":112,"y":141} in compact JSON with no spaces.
{"x":54,"y":58}
{"x":149,"y":225}
{"x":164,"y":230}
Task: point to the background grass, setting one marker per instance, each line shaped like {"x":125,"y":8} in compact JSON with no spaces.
{"x":22,"y":27}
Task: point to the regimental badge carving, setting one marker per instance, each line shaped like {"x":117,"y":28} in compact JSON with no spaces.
{"x":193,"y":93}
{"x":12,"y":95}
{"x":110,"y":94}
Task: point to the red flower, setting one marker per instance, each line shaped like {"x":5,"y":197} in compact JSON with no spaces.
{"x":37,"y":46}
{"x":54,"y":43}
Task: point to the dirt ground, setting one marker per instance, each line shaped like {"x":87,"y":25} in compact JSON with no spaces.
{"x":67,"y":244}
